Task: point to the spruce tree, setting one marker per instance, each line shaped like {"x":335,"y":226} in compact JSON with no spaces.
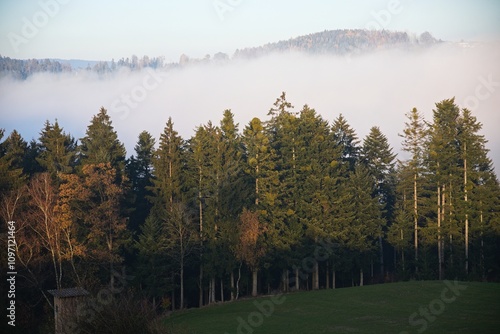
{"x":414,"y":142}
{"x":12,"y":161}
{"x":380,"y":160}
{"x":101,"y":144}
{"x":153,"y":267}
{"x":168,"y":163}
{"x":260,"y":167}
{"x":58,"y":150}
{"x":346,"y":142}
{"x":140,"y":174}
{"x":475,"y":166}
{"x":314,"y":155}
{"x":234,"y":193}
{"x":443,"y":154}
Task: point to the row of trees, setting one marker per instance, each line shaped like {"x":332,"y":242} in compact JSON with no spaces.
{"x":22,"y":69}
{"x":230,"y":212}
{"x":341,"y":41}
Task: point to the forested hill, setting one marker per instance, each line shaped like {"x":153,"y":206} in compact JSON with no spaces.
{"x":343,"y":42}
{"x":338,"y":42}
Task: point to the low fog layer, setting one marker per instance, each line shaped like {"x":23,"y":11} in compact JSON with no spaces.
{"x":376,"y":89}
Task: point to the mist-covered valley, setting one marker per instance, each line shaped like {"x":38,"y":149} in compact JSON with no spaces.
{"x":370,"y":89}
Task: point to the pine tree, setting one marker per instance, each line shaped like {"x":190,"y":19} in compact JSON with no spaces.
{"x":443,"y":162}
{"x":380,"y":160}
{"x":312,"y":181}
{"x":58,"y":150}
{"x":475,"y":166}
{"x":285,"y":225}
{"x":346,"y":142}
{"x":357,"y":220}
{"x":152,"y":270}
{"x":140,"y":173}
{"x":205,"y":149}
{"x":234,"y":193}
{"x":101,"y":144}
{"x":415,"y":136}
{"x":12,"y":160}
{"x":168,"y":166}
{"x":260,"y":167}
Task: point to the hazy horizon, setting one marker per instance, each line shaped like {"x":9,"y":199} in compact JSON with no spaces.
{"x":374,"y":89}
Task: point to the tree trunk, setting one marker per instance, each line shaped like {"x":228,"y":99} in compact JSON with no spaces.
{"x":297,"y":282}
{"x":254,"y":282}
{"x":238,"y":282}
{"x":327,"y":276}
{"x":483,"y":270}
{"x":221,"y":290}
{"x":200,"y":282}
{"x":361,"y":277}
{"x":173,"y":292}
{"x":466,"y":213}
{"x":415,"y":220}
{"x":112,"y":278}
{"x":381,"y":246}
{"x":231,"y":285}
{"x":209,"y":291}
{"x":212,"y":290}
{"x":181,"y":305}
{"x":333,"y":279}
{"x":315,"y":278}
{"x":402,"y":250}
{"x":286,"y":283}
{"x":440,"y":267}
{"x":371,"y":269}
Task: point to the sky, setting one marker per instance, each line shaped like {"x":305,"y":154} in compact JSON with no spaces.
{"x":102,"y":30}
{"x":369,"y":90}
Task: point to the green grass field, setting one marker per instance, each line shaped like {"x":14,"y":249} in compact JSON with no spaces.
{"x":406,"y":307}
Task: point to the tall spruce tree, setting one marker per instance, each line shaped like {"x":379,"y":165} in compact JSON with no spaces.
{"x":140,"y":174}
{"x":12,"y":160}
{"x":347,"y":143}
{"x":168,"y":163}
{"x":234,"y":194}
{"x":101,"y":144}
{"x":443,"y":154}
{"x":205,"y":160}
{"x":58,"y":150}
{"x":152,"y":268}
{"x":380,"y":160}
{"x":285,"y":228}
{"x":314,"y":155}
{"x":475,"y":166}
{"x":414,"y":141}
{"x":260,"y":166}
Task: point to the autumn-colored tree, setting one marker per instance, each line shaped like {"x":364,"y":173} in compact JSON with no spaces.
{"x":106,"y":230}
{"x":51,"y":220}
{"x":251,"y":248}
{"x":43,"y":196}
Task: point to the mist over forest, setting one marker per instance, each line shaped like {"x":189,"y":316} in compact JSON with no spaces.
{"x":306,"y":164}
{"x":376,"y":88}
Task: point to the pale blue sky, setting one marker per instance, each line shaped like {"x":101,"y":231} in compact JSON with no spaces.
{"x":101,"y":30}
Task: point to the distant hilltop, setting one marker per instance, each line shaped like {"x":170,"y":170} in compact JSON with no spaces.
{"x":341,"y":42}
{"x":335,"y":42}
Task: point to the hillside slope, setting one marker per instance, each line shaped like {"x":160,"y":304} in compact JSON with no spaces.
{"x":341,"y":42}
{"x":406,"y":307}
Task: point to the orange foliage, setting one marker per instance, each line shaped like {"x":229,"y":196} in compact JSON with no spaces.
{"x":250,"y":248}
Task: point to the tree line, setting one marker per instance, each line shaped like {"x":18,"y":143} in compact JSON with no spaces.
{"x":231,"y":212}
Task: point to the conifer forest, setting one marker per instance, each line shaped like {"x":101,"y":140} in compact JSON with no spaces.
{"x":290,"y":202}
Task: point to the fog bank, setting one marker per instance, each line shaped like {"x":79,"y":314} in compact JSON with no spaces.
{"x":375,"y":89}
